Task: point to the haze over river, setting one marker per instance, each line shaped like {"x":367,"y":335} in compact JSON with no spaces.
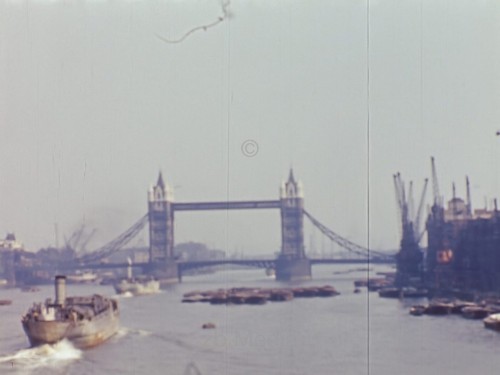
{"x":347,"y":334}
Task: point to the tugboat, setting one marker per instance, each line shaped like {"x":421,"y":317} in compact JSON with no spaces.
{"x":85,"y":321}
{"x":137,"y":286}
{"x":492,"y":322}
{"x":271,"y":273}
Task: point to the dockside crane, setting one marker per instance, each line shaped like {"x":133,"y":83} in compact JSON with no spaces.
{"x":409,"y":257}
{"x":87,"y":240}
{"x":401,"y":201}
{"x":411,"y":204}
{"x":469,"y":206}
{"x":409,"y":220}
{"x":438,"y":200}
{"x":114,"y":245}
{"x":418,"y":218}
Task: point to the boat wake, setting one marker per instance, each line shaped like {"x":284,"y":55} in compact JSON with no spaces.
{"x":46,"y":355}
{"x":122,"y":332}
{"x":123,"y":295}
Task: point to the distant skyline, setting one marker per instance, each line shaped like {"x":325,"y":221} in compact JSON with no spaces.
{"x":93,"y":104}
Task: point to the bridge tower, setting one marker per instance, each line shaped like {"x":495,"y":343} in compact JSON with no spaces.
{"x":161,"y":231}
{"x":292,"y":263}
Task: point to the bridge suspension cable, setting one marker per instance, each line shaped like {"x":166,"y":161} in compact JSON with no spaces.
{"x":116,"y":244}
{"x":345,"y":243}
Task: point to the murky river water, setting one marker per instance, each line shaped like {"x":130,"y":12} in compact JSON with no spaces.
{"x":347,"y":334}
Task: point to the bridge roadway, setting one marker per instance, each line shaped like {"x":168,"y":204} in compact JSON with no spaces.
{"x":229,"y":205}
{"x":257,"y":263}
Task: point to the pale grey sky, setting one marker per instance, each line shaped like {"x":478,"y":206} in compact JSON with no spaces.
{"x":93,"y":104}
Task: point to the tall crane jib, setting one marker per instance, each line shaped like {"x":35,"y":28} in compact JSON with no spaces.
{"x":438,"y":200}
{"x":116,"y":244}
{"x":468,"y":204}
{"x":410,"y":257}
{"x":418,"y":218}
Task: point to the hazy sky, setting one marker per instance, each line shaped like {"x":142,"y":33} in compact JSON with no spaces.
{"x":93,"y":104}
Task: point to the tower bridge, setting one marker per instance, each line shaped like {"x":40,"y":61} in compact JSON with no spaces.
{"x":290,"y":264}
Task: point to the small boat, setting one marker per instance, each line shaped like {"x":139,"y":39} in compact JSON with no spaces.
{"x":414,"y":292}
{"x":5,"y":302}
{"x":377,"y":284}
{"x":492,"y":322}
{"x":417,"y":310}
{"x":360,"y":283}
{"x":390,"y":293}
{"x":138,"y":286}
{"x":85,"y":321}
{"x":271,"y":273}
{"x":458,"y":306}
{"x":373,"y":284}
{"x":475,"y":312}
{"x":438,"y":308}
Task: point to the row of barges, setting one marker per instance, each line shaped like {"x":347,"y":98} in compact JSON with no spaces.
{"x":257,"y":296}
{"x":487,"y":310}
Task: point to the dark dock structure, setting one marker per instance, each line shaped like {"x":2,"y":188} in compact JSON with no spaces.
{"x":463,"y":248}
{"x":463,"y":245}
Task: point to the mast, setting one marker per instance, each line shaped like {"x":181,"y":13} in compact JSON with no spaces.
{"x":469,"y":206}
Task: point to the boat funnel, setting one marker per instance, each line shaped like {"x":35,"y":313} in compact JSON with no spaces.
{"x":129,"y":268}
{"x":60,"y":285}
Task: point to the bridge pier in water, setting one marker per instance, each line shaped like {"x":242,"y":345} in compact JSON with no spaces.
{"x":293,"y":269}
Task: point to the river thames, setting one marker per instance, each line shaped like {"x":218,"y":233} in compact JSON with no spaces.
{"x":347,"y":334}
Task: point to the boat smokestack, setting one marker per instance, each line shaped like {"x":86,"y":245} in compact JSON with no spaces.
{"x":60,"y":286}
{"x":129,"y":268}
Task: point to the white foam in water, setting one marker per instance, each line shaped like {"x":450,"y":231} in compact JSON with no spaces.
{"x":143,"y":332}
{"x":122,"y":332}
{"x":43,"y":356}
{"x":124,"y":295}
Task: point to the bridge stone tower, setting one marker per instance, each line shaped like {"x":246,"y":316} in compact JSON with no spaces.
{"x":292,"y":263}
{"x":161,"y":232}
